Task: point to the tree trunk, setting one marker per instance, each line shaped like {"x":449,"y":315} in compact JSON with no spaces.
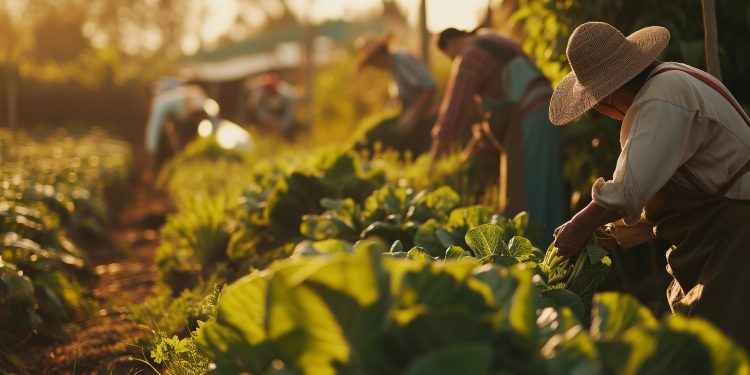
{"x":487,"y":23}
{"x":424,"y":35}
{"x":711,"y":39}
{"x":11,"y":96}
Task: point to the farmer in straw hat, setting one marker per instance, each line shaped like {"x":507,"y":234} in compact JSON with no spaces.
{"x":514,"y":97}
{"x":683,"y":169}
{"x":417,"y":95}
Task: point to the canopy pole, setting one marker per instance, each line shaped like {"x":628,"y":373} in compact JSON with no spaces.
{"x":424,"y":34}
{"x":711,"y":38}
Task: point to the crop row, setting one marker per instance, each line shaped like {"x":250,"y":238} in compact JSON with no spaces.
{"x":52,"y":206}
{"x":339,"y":262}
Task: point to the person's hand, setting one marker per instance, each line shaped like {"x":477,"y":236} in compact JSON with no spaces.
{"x":147,"y":177}
{"x":435,"y":149}
{"x":147,"y":173}
{"x":571,"y":237}
{"x":407,"y":122}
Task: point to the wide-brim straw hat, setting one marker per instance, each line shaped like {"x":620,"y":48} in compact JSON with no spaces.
{"x":602,"y":60}
{"x":368,"y":45}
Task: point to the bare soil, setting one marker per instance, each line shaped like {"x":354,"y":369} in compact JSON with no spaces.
{"x":124,"y":274}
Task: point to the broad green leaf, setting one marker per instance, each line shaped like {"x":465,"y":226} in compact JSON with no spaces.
{"x":565,"y":298}
{"x":566,"y":346}
{"x":387,"y":231}
{"x":358,"y":276}
{"x":522,"y":315}
{"x":596,"y":253}
{"x":615,"y":313}
{"x":726,"y":356}
{"x":418,"y":253}
{"x":385,"y":201}
{"x":455,"y":252}
{"x":237,"y":340}
{"x":320,"y":227}
{"x":459,"y":359}
{"x":444,"y":237}
{"x":19,"y":288}
{"x":435,"y":204}
{"x":658,"y":350}
{"x":332,"y":246}
{"x":520,"y":248}
{"x":498,"y":282}
{"x":521,"y":223}
{"x":486,"y":240}
{"x":504,"y":260}
{"x":470,"y":217}
{"x":426,"y":238}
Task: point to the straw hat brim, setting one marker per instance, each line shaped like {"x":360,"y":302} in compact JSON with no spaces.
{"x":571,"y":99}
{"x":370,"y":47}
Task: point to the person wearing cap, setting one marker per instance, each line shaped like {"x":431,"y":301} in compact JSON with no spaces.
{"x":417,"y":95}
{"x":176,"y":110}
{"x":683,"y":171}
{"x":273,"y":104}
{"x":514,"y":96}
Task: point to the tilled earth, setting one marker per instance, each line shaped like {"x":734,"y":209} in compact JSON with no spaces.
{"x":103,"y":343}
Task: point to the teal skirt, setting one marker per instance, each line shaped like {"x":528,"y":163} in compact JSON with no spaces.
{"x":544,"y":184}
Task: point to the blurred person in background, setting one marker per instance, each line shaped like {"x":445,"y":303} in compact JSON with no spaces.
{"x":417,"y":96}
{"x":271,"y":104}
{"x":514,"y":97}
{"x":177,"y":107}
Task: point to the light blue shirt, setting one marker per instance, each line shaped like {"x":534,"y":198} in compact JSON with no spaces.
{"x":178,"y":103}
{"x":411,"y":76}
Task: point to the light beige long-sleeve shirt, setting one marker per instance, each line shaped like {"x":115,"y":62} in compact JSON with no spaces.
{"x":676,"y":121}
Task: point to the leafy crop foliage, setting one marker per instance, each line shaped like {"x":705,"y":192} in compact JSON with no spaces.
{"x":52,"y":198}
{"x":371,"y":264}
{"x":363,"y":313}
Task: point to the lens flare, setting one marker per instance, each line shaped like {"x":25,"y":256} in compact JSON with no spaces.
{"x":205,"y":128}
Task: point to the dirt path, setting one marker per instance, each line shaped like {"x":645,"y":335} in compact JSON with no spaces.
{"x":99,"y":346}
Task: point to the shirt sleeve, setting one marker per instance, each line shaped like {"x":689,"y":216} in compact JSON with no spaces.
{"x":658,"y":144}
{"x":288,"y":116}
{"x":160,"y":109}
{"x":463,"y":84}
{"x":416,"y":73}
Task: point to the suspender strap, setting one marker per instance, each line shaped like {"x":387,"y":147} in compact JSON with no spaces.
{"x":734,"y":104}
{"x":714,"y":86}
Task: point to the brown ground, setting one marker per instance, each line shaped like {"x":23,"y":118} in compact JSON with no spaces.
{"x":99,"y":344}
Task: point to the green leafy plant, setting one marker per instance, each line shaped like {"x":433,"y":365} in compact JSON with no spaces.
{"x":51,"y":200}
{"x":360,"y":312}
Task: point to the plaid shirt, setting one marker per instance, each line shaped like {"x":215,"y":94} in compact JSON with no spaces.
{"x":478,"y":71}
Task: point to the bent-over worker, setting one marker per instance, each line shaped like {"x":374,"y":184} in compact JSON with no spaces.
{"x":683,"y":168}
{"x":417,"y":95}
{"x":515,"y":96}
{"x":176,"y":110}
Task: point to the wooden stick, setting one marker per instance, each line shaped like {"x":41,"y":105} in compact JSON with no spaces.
{"x":424,"y":34}
{"x":711,"y":39}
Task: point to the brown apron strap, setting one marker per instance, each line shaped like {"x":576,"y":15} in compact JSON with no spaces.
{"x":734,"y":104}
{"x":714,"y":86}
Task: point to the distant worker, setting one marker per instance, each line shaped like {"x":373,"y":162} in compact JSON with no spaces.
{"x":417,"y":96}
{"x":272,"y":103}
{"x":176,"y":110}
{"x":515,"y":98}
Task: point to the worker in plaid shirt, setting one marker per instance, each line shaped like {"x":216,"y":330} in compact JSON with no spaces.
{"x":492,"y":72}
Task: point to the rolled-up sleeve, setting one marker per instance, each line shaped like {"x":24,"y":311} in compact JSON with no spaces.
{"x":417,"y":74}
{"x":465,"y":78}
{"x":657,"y":145}
{"x":161,"y":107}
